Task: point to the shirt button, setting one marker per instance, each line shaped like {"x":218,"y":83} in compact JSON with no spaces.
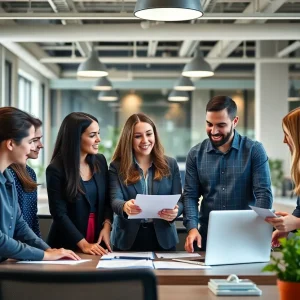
{"x":223,"y":189}
{"x":222,"y":172}
{"x":11,"y":217}
{"x":9,"y":227}
{"x":223,"y":206}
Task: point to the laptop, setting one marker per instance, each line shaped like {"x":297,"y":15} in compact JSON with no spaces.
{"x":237,"y":236}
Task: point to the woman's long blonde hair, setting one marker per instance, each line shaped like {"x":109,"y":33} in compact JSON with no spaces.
{"x":291,"y":124}
{"x":124,"y":152}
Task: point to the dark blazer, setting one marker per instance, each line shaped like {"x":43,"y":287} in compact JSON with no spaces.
{"x":70,"y":219}
{"x":124,"y":231}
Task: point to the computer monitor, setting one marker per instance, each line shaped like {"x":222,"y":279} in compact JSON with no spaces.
{"x":237,"y":236}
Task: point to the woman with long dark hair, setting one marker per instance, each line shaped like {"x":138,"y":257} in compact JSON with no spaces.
{"x":139,"y":166}
{"x":25,"y":179}
{"x":17,"y":240}
{"x":77,"y":185}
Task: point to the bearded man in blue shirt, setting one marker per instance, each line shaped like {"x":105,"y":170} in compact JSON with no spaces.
{"x":229,"y":172}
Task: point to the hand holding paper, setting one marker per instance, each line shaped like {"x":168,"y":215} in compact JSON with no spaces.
{"x":151,"y":205}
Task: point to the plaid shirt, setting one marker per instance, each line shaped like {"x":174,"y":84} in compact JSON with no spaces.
{"x":226,"y":181}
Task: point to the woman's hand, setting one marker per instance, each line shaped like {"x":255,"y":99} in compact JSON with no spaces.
{"x":105,"y":236}
{"x":130,"y":208}
{"x":285,"y":222}
{"x":276,"y":236}
{"x":169,"y":214}
{"x":55,"y":254}
{"x":91,"y":248}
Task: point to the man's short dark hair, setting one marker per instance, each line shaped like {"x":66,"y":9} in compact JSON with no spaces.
{"x":219,"y":103}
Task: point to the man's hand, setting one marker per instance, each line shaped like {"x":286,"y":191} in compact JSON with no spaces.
{"x":193,"y":235}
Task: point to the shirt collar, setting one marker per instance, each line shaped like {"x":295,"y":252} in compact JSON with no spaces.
{"x":137,"y":164}
{"x":235,"y":143}
{"x":6,"y":177}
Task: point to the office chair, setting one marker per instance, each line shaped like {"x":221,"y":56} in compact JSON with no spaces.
{"x":134,"y":284}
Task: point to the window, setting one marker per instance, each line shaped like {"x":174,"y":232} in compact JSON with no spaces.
{"x":8,"y":79}
{"x":25,"y":90}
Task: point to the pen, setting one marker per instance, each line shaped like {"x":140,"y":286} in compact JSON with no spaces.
{"x":130,"y":257}
{"x":189,"y":262}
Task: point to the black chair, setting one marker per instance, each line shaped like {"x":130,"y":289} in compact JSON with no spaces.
{"x":55,"y":285}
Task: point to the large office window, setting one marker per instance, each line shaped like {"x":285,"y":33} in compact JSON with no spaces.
{"x":8,"y":79}
{"x":25,"y":91}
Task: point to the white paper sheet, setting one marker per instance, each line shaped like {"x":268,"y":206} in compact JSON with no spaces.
{"x":124,"y":263}
{"x":170,"y":255}
{"x":177,"y":266}
{"x":152,"y":204}
{"x":54,"y":262}
{"x":263,"y":212}
{"x":116,"y":255}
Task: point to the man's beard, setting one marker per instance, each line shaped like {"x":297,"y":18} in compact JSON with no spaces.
{"x":224,"y":140}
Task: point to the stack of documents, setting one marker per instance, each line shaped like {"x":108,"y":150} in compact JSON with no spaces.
{"x":128,"y":255}
{"x":124,"y":263}
{"x":223,"y":287}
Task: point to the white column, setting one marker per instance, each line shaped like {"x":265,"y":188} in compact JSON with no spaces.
{"x":198,"y":115}
{"x":271,"y":92}
{"x":2,"y":75}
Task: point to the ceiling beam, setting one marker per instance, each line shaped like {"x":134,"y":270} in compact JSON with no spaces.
{"x":128,"y":16}
{"x":171,"y":60}
{"x":162,"y":32}
{"x":287,"y":50}
{"x":26,"y":56}
{"x":225,"y":48}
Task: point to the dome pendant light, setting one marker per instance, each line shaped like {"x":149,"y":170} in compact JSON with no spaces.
{"x":168,"y":10}
{"x":102,"y":84}
{"x":108,"y":96}
{"x":92,"y":67}
{"x":197,"y":67}
{"x":184,"y":84}
{"x":178,"y":96}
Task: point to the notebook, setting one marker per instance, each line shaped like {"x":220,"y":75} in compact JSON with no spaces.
{"x":237,"y":236}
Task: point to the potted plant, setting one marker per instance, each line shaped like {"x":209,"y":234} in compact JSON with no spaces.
{"x":286,"y":264}
{"x":276,"y":170}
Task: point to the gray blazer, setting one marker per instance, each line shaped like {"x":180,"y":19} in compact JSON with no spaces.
{"x":124,"y":231}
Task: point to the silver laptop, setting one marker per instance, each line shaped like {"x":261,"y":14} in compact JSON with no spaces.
{"x":237,"y":236}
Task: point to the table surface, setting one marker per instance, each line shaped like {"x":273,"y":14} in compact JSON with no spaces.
{"x":194,"y":292}
{"x":167,"y":277}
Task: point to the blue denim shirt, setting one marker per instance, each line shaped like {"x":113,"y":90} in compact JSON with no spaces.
{"x":17,"y":240}
{"x":28,"y":201}
{"x":226,"y":181}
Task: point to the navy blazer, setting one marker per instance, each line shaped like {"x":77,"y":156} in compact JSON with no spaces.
{"x":70,"y":219}
{"x":124,"y":230}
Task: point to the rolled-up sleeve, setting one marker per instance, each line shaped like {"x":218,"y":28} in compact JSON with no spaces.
{"x":191,"y":192}
{"x":261,"y":177}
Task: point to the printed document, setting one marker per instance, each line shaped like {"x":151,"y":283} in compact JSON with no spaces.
{"x":152,"y":204}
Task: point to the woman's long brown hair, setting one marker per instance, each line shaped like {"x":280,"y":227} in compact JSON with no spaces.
{"x":124,"y":152}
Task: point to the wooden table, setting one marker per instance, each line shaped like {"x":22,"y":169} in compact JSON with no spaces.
{"x":169,"y":277}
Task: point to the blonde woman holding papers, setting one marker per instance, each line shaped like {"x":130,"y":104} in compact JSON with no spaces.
{"x":288,"y":222}
{"x":139,"y":166}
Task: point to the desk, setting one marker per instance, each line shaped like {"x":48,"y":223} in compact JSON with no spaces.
{"x":192,"y":292}
{"x":169,"y":277}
